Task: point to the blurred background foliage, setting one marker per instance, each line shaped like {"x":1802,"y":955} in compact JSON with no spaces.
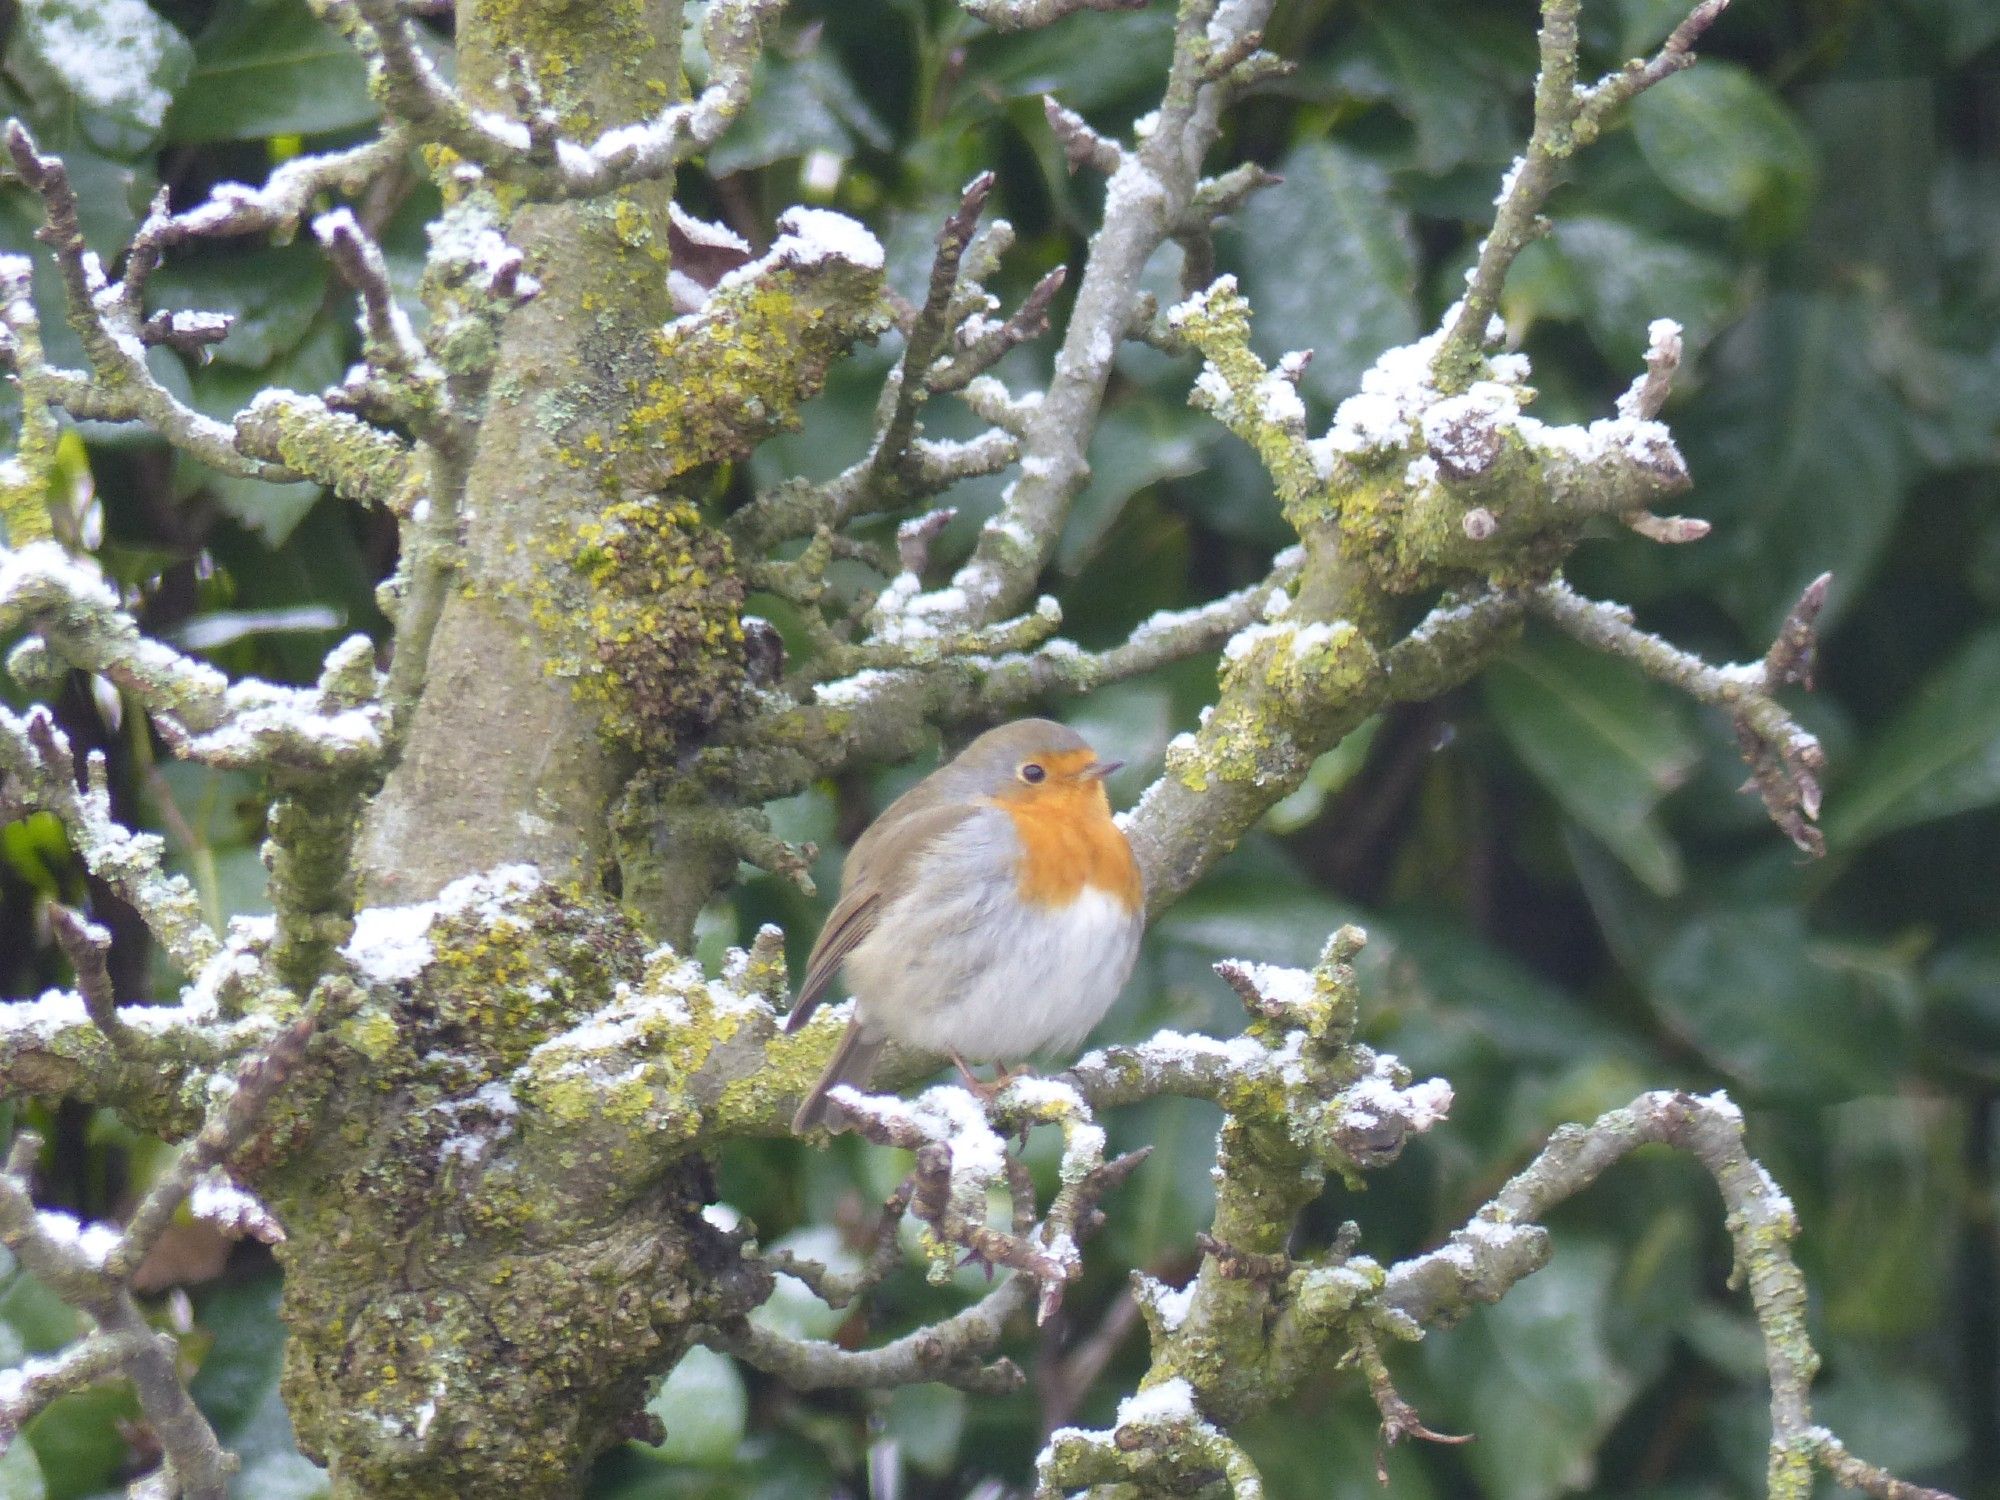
{"x":1568,"y":900}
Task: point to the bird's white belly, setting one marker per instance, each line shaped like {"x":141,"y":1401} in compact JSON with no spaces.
{"x":970,"y":968}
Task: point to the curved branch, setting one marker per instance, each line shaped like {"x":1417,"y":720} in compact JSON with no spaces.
{"x":1505,"y":1242}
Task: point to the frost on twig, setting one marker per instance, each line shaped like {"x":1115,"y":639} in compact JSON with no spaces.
{"x":91,"y":1266}
{"x":416,"y":96}
{"x":109,"y":320}
{"x":277,"y":439}
{"x":950,"y":341}
{"x":1149,"y":198}
{"x":1299,"y":1099}
{"x":1567,"y":116}
{"x":961,"y":1158}
{"x":1785,"y":760}
{"x":1505,"y":1241}
{"x":1020,"y":15}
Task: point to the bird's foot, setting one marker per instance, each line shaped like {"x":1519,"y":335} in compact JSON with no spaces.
{"x":974,"y":1084}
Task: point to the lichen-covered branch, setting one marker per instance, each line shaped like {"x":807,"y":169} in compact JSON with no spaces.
{"x":1505,"y":1241}
{"x":283,"y":436}
{"x":24,"y":474}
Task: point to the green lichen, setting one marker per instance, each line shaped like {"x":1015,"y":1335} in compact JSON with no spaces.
{"x":647,"y":623}
{"x":722,"y":381}
{"x":494,"y":1244}
{"x":359,"y":461}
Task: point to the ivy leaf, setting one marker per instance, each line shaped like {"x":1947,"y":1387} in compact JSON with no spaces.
{"x":703,"y":1406}
{"x":799,"y":105}
{"x":1800,"y":453}
{"x":1626,"y":276}
{"x":271,"y":296}
{"x":1329,"y":264}
{"x":1786,"y":1015}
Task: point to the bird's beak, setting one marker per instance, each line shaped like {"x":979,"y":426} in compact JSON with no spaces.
{"x":1097,"y":770}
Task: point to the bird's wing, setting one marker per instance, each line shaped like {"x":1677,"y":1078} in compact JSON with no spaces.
{"x":882,"y":866}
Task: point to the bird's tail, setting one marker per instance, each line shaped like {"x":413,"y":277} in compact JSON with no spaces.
{"x":852,"y":1061}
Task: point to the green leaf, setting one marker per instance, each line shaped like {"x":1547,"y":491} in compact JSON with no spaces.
{"x":1627,"y":276}
{"x":1786,"y":1015}
{"x":271,"y":296}
{"x":1644,"y":24}
{"x":926,"y":1422}
{"x":1940,"y":755}
{"x":1329,"y":264}
{"x":1455,"y":76}
{"x":1136,"y":445}
{"x":1603,"y":741}
{"x":117,"y":62}
{"x":704,"y":1407}
{"x":265,"y":68}
{"x":799,"y":105}
{"x":78,"y":1439}
{"x":1536,"y":1377}
{"x":242,"y":1364}
{"x":221,"y":390}
{"x":1086,"y":61}
{"x":1720,"y":138}
{"x":1800,"y":455}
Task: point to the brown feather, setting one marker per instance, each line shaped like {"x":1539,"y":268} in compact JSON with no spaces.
{"x":852,"y":1061}
{"x":884,"y":861}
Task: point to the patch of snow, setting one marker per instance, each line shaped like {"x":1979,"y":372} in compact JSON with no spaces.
{"x":1169,"y":1401}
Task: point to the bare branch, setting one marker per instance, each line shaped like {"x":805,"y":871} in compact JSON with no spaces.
{"x":276,"y":208}
{"x":122,"y":388}
{"x":1785,"y":761}
{"x":36,"y":766}
{"x":1082,"y":146}
{"x":88,"y":948}
{"x":256,"y":1084}
{"x":1504,"y":1242}
{"x":1147,"y":200}
{"x":1021,"y":15}
{"x":1566,"y":117}
{"x":70,"y":1259}
{"x":952,"y":1351}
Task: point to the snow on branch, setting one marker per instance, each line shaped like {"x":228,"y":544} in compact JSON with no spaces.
{"x":90,"y":1266}
{"x":949,"y":344}
{"x":288,"y":195}
{"x":1149,"y":198}
{"x":1299,"y":1097}
{"x":1021,"y":15}
{"x":201,"y":714}
{"x":281,"y":437}
{"x":109,"y":319}
{"x":417,"y":97}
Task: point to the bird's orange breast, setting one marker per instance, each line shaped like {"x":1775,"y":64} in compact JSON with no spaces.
{"x":1068,"y":841}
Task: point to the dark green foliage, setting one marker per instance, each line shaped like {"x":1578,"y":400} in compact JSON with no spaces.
{"x":1569,"y":900}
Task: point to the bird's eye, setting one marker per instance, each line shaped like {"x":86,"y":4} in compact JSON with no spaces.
{"x":1032,"y":773}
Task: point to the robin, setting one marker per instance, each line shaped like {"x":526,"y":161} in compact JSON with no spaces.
{"x":991,"y":912}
